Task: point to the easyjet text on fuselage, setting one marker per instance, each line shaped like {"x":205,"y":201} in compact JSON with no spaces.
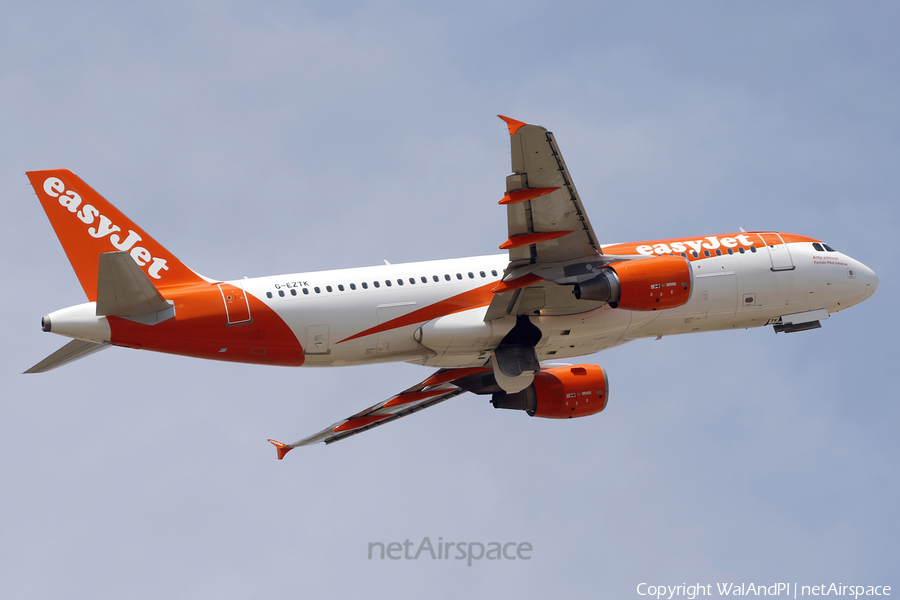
{"x":710,"y":242}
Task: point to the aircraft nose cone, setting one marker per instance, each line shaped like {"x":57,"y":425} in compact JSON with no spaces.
{"x":865,"y":280}
{"x":871,"y":280}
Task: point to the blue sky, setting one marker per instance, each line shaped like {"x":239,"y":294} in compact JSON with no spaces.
{"x":273,"y":137}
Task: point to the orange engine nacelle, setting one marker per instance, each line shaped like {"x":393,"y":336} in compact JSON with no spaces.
{"x":560,"y":393}
{"x":643,"y":284}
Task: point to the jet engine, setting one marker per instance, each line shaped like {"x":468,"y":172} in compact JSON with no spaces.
{"x":642,"y":284}
{"x":560,"y":393}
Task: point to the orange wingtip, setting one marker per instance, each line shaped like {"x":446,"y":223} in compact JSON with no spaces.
{"x":517,"y":241}
{"x":519,"y":282}
{"x":513,"y":125}
{"x":281,"y":447}
{"x":523,"y":195}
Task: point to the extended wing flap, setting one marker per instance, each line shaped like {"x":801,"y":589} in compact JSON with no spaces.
{"x":70,"y":352}
{"x":434,"y":390}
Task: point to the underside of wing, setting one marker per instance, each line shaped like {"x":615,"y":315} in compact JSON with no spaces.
{"x":551,"y":242}
{"x":546,"y":220}
{"x":434,"y":390}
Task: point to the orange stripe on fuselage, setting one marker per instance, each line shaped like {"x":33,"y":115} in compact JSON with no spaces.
{"x":480,"y":296}
{"x":791,"y":238}
{"x":688,"y":245}
{"x":200,"y":329}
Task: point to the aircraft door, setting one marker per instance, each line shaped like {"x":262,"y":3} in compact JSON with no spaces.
{"x":778,"y":252}
{"x":237,"y":307}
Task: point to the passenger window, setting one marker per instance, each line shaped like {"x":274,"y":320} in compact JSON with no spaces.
{"x":352,"y":286}
{"x":399,"y":282}
{"x":435,"y":277}
{"x":281,"y":293}
{"x":365,"y":285}
{"x":293,"y":291}
{"x":387,"y":282}
{"x":695,"y":254}
{"x":317,"y":290}
{"x":376,"y":284}
{"x":328,"y":287}
{"x":494,"y":272}
{"x":447,"y":276}
{"x":459,"y":275}
{"x":706,"y":252}
{"x":684,"y":255}
{"x":741,"y":249}
{"x":424,"y":280}
{"x":306,"y":291}
{"x":718,"y":252}
{"x":341,"y":287}
{"x":818,"y":246}
{"x":752,"y":248}
{"x":268,"y":294}
{"x":730,"y":251}
{"x":482,"y":273}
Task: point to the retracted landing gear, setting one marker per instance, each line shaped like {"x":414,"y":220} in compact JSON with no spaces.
{"x":515,"y":361}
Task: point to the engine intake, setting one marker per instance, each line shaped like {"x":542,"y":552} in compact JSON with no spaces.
{"x":560,"y":393}
{"x":644,"y":284}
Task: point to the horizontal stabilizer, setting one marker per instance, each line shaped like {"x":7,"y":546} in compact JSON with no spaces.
{"x":123,"y":289}
{"x":70,"y":352}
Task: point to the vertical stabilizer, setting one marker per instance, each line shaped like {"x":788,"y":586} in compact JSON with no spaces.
{"x":87,"y":226}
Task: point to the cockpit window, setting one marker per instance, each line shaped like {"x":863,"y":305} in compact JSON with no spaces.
{"x":829,"y":248}
{"x":818,"y":246}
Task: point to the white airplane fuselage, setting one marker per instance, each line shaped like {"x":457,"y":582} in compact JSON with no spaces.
{"x":731,"y":291}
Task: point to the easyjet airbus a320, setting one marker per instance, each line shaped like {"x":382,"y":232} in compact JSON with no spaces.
{"x":502,"y":325}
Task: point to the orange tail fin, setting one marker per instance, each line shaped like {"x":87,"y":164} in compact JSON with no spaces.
{"x":87,"y":225}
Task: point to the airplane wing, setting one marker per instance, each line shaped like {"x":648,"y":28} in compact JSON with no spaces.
{"x":434,"y":390}
{"x":547,"y":221}
{"x":551,"y":242}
